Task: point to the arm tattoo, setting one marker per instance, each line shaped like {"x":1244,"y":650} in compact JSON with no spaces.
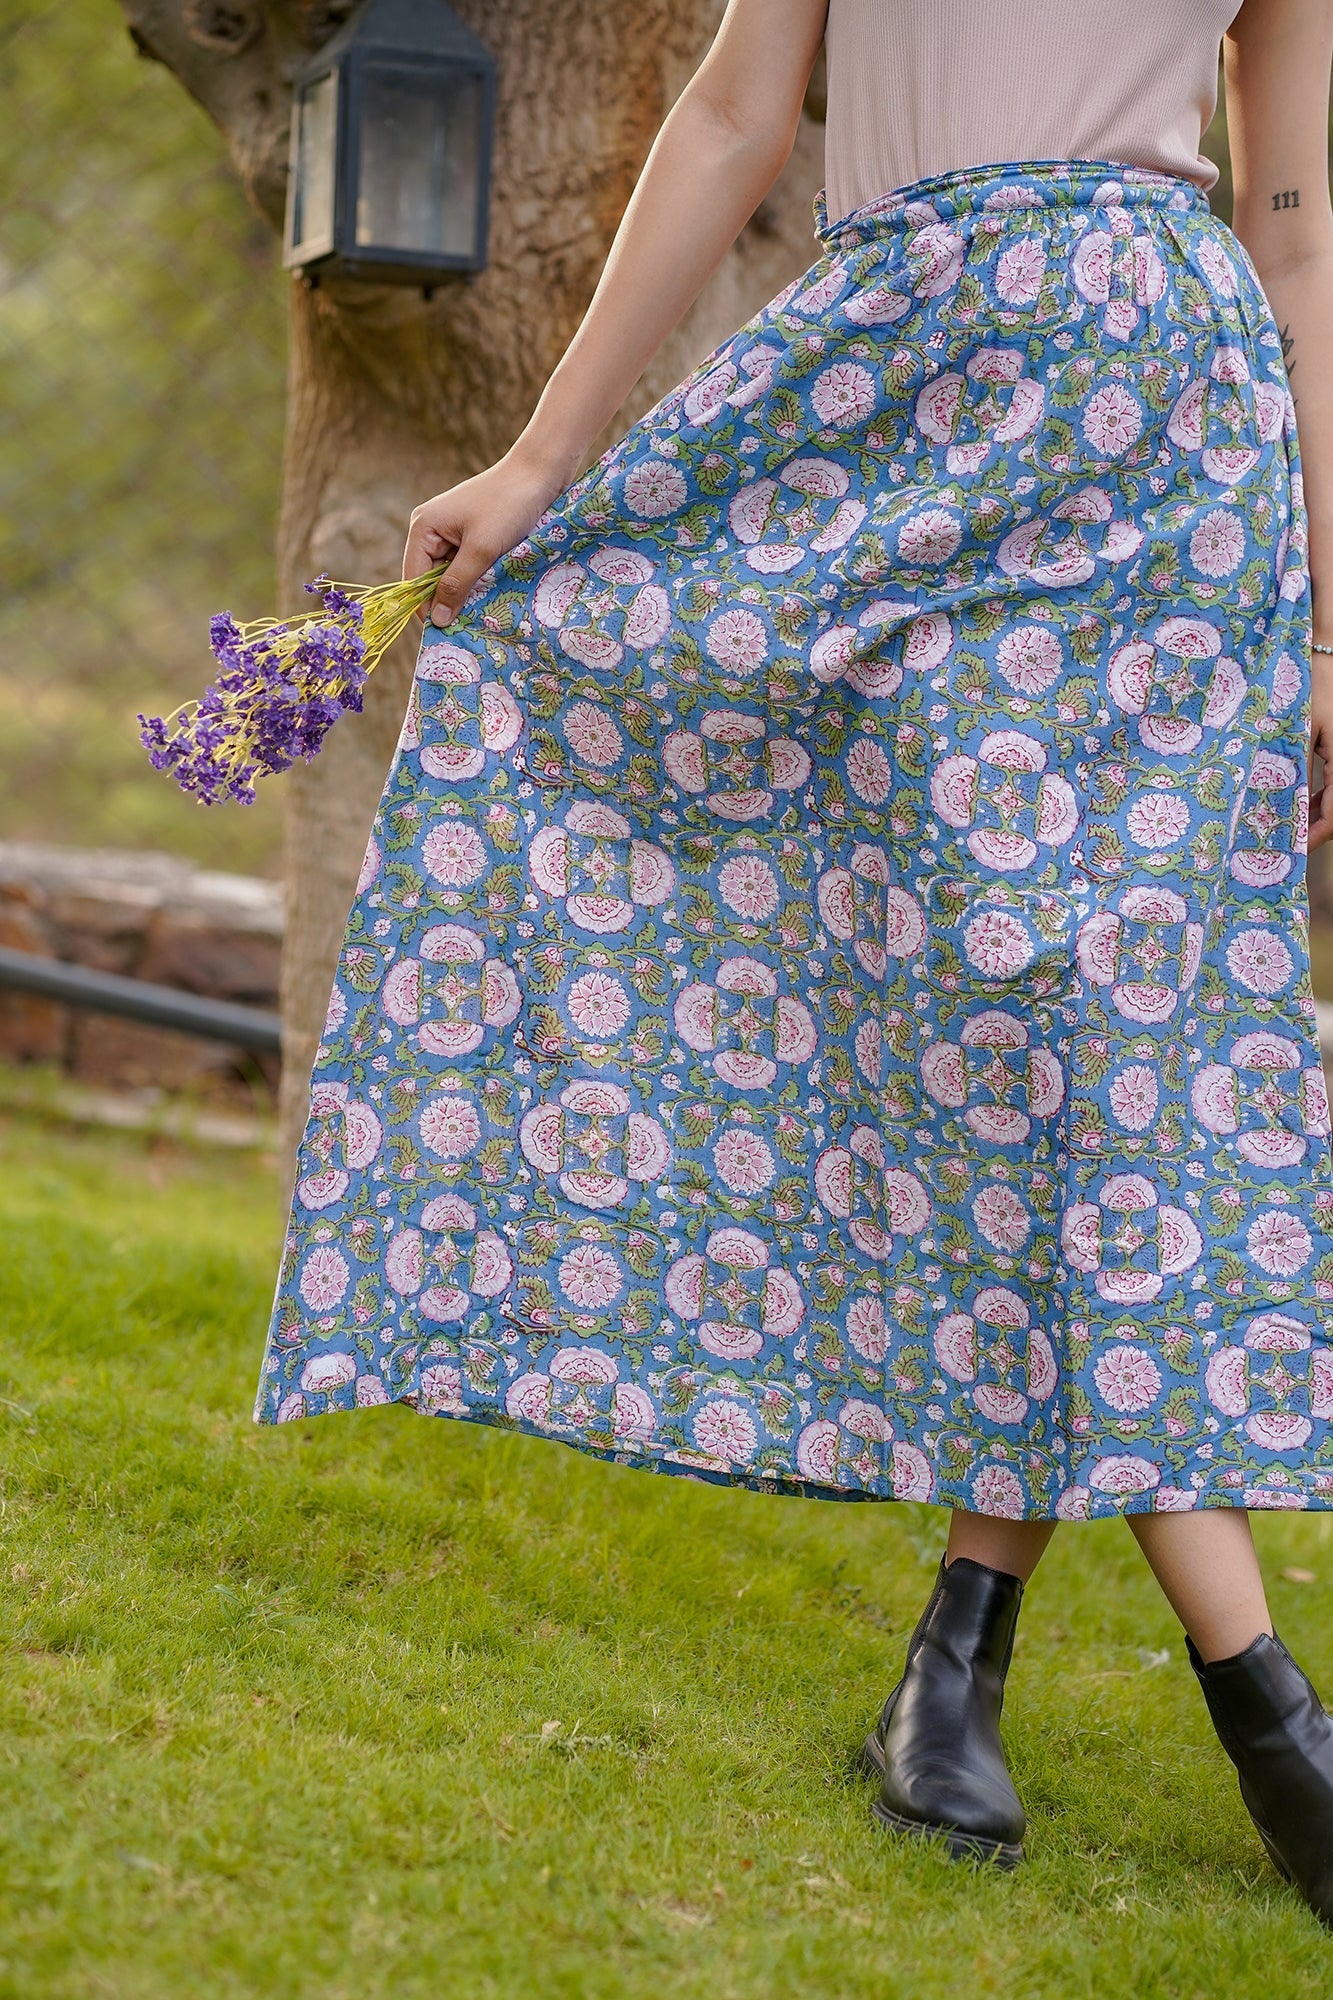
{"x":1288,"y":198}
{"x":1289,"y":352}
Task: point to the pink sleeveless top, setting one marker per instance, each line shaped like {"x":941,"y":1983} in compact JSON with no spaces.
{"x":916,"y":87}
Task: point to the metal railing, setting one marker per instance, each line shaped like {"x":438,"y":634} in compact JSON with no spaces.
{"x":140,"y":1000}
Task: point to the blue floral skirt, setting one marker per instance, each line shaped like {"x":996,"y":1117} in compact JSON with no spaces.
{"x":827,"y":1003}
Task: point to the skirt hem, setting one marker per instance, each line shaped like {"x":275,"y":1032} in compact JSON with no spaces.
{"x":1306,"y":1496}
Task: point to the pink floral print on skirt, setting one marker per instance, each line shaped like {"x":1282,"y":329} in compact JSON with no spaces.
{"x":827,"y":1003}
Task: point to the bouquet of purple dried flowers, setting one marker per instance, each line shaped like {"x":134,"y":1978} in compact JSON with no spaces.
{"x":284,"y":683}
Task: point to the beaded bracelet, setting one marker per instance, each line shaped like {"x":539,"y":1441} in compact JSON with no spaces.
{"x":1315,"y":647}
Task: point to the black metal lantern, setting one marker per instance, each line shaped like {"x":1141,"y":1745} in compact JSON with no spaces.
{"x":391,"y":148}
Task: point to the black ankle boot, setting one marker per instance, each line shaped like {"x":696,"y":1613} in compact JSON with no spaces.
{"x":937,"y":1746}
{"x":1273,"y":1727}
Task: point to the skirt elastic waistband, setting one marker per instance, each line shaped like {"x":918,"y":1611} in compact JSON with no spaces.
{"x":1009,"y":189}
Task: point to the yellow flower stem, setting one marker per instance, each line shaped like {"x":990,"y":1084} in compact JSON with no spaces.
{"x":386,"y":611}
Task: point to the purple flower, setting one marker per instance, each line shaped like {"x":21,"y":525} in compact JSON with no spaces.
{"x":281,"y":686}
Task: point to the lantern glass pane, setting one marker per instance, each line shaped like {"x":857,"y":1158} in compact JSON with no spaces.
{"x":312,"y":182}
{"x":420,"y":157}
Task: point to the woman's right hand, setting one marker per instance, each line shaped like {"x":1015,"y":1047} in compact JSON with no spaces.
{"x":473,"y":524}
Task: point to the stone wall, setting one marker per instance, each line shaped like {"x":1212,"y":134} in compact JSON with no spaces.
{"x":147,"y":916}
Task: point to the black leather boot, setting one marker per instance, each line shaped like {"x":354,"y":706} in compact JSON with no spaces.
{"x":1273,"y":1727}
{"x":936,"y":1747}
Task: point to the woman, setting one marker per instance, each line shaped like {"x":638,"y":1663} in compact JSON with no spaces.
{"x":827,"y":1004}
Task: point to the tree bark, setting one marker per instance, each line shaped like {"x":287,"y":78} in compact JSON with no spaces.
{"x":392,"y":398}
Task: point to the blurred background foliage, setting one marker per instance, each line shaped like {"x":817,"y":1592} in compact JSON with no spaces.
{"x":142,"y":349}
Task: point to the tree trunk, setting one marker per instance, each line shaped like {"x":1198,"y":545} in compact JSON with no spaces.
{"x":392,"y":398}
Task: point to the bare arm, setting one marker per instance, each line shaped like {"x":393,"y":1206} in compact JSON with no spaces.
{"x":1278,"y":55}
{"x":720,"y":149}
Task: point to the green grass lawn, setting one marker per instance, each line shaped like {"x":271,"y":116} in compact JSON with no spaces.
{"x":373,"y":1706}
